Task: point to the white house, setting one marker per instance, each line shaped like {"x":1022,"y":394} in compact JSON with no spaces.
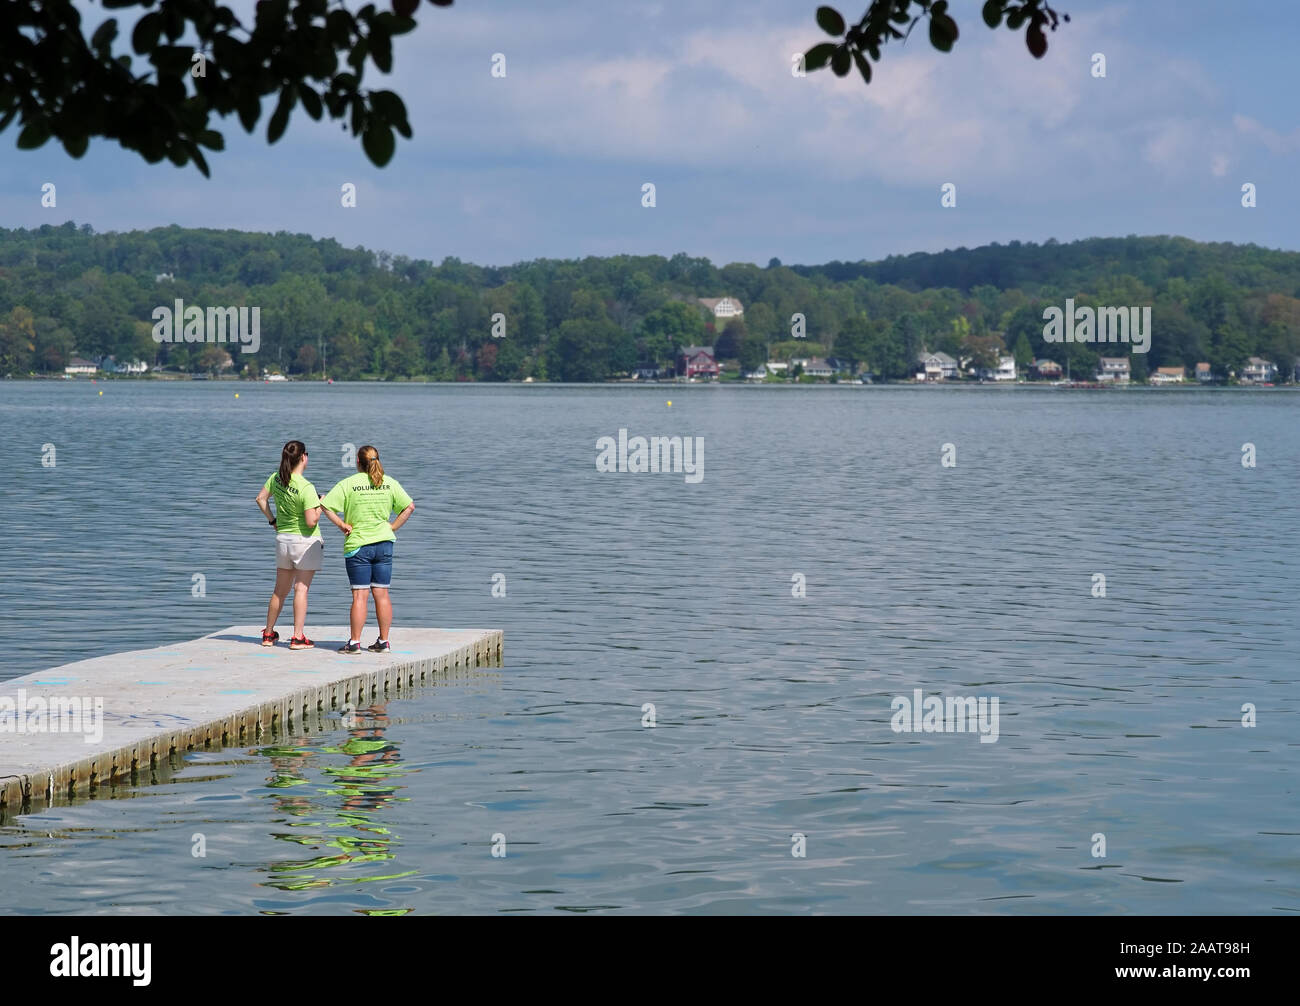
{"x":723,"y":308}
{"x":813,"y":366}
{"x":163,"y":277}
{"x":1203,"y":373}
{"x":110,"y":366}
{"x":1004,"y":371}
{"x":1259,"y":371}
{"x":1113,"y":369}
{"x":1167,"y":375}
{"x":777,"y":369}
{"x":756,"y":375}
{"x":79,"y":366}
{"x":936,"y":367}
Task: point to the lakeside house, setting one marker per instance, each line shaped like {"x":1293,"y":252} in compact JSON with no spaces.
{"x":722,"y":308}
{"x":1203,"y":374}
{"x":1168,"y":375}
{"x":813,"y":366}
{"x":110,"y":366}
{"x":77,"y":365}
{"x":936,"y":367}
{"x":1004,"y":371}
{"x":1259,"y":371}
{"x":777,"y":368}
{"x":1113,"y":369}
{"x":164,"y":277}
{"x":1046,"y":370}
{"x":696,"y":362}
{"x":756,"y":375}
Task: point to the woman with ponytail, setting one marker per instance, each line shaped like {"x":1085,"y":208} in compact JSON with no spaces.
{"x":298,"y":544}
{"x":367,"y":501}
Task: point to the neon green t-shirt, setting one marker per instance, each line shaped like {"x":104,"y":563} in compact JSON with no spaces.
{"x":367,"y":508}
{"x":290,"y":502}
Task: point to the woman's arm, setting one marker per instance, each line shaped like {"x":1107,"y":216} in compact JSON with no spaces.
{"x":262,"y":497}
{"x":400,"y":519}
{"x":312,"y":516}
{"x":334,"y":519}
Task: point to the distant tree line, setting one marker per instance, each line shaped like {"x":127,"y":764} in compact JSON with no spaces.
{"x":354,"y":313}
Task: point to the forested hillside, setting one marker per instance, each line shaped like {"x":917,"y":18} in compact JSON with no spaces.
{"x":65,"y":290}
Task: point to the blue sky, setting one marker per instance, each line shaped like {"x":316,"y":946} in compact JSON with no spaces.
{"x":748,"y":161}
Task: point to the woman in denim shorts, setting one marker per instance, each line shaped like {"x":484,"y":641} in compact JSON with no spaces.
{"x":367,"y":501}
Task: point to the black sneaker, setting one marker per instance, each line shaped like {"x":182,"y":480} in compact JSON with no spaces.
{"x":350,"y":647}
{"x":380,"y":646}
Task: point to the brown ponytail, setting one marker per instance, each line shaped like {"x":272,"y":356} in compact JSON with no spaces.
{"x":368,"y":462}
{"x":289,"y":458}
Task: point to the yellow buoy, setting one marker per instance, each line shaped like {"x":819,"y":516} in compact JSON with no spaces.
{"x":236,"y":394}
{"x":101,"y":393}
{"x":670,"y":404}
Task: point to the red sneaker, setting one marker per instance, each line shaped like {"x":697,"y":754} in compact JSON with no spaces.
{"x":300,"y":642}
{"x":270,"y":638}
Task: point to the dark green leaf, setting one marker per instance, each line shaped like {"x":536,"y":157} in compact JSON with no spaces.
{"x":992,"y":13}
{"x":339,"y":24}
{"x":75,"y":145}
{"x":104,"y":34}
{"x":310,"y":101}
{"x":379,"y":144}
{"x":818,"y":56}
{"x":199,"y":160}
{"x":33,"y":135}
{"x":381,"y":51}
{"x":864,"y":67}
{"x":145,"y":36}
{"x":250,"y":110}
{"x":830,"y":21}
{"x":840,"y":61}
{"x":280,"y":117}
{"x":943,"y":32}
{"x":1036,"y":41}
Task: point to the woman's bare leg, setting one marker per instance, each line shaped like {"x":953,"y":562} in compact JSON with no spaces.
{"x":359,"y":607}
{"x":283,"y":580}
{"x":301,"y":582}
{"x":383,"y":610}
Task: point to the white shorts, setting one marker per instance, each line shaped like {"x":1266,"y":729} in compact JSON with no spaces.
{"x":296,"y":551}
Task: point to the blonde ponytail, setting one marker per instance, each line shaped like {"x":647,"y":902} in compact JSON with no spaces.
{"x":368,"y":462}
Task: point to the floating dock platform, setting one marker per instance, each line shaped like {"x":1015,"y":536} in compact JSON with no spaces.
{"x":223,"y":689}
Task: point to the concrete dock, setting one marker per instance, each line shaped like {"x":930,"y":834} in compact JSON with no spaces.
{"x":111,"y":721}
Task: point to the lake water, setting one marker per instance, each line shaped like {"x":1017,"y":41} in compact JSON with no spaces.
{"x":1119,"y":715}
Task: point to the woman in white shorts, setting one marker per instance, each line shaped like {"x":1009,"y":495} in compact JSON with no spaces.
{"x":299,"y":548}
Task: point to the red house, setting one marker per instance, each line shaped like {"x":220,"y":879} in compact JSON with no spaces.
{"x":697,"y":361}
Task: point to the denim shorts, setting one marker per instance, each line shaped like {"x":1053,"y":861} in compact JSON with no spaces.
{"x":370,"y":566}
